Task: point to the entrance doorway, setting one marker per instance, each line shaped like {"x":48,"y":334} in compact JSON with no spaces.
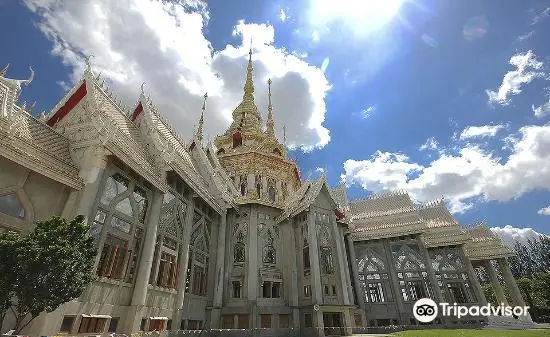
{"x":333,"y":323}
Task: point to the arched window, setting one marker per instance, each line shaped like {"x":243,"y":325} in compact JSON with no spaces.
{"x":373,"y":277}
{"x":411,"y":272}
{"x":452,"y":274}
{"x":121,"y":214}
{"x":237,"y":139}
{"x":10,"y":205}
{"x":198,"y":256}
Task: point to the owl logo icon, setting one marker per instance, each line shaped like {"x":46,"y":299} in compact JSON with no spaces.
{"x":425,"y":310}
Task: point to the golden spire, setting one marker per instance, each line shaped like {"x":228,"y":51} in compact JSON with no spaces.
{"x":201,"y":120}
{"x":270,"y":123}
{"x":249,"y":85}
{"x":284,"y":135}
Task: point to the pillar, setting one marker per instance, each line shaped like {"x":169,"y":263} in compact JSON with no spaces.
{"x":499,"y":293}
{"x":315,"y":276}
{"x":478,"y":291}
{"x":252,"y":282}
{"x":293,"y":301}
{"x":139,"y":294}
{"x":396,"y":289}
{"x":513,"y":286}
{"x":182,"y":263}
{"x":92,"y":168}
{"x":219,"y":278}
{"x":438,"y":298}
{"x":355,"y":272}
{"x":342,"y":265}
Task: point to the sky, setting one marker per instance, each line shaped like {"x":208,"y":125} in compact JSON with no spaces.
{"x":442,"y":99}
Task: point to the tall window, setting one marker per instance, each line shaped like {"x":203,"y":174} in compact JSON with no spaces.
{"x":199,"y":246}
{"x":243,"y":185}
{"x":411,"y":271}
{"x":167,"y":271}
{"x":258,"y":182}
{"x":10,"y":205}
{"x":373,"y":277}
{"x":451,"y":272}
{"x":305,"y":249}
{"x":113,"y":257}
{"x":121,"y":215}
{"x":237,"y":139}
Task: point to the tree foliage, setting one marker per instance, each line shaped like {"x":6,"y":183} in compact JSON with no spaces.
{"x":50,"y":266}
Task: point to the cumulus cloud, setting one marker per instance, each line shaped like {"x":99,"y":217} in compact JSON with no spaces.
{"x":527,"y":69}
{"x":430,"y":144}
{"x":544,"y":211}
{"x":465,"y":175}
{"x":163,"y":44}
{"x":509,"y":234}
{"x":541,"y":111}
{"x":480,"y":131}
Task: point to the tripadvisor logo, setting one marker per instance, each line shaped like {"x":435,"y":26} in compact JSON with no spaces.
{"x":425,"y":310}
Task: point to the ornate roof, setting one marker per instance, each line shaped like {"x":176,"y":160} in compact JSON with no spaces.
{"x":443,"y":229}
{"x":381,"y":204}
{"x":483,"y":244}
{"x":30,"y":142}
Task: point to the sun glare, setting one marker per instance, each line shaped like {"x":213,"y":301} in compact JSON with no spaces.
{"x":363,"y":16}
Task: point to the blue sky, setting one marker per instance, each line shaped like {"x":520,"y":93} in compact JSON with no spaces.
{"x":435,"y":97}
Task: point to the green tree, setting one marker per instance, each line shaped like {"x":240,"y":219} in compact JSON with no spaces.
{"x":55,"y":265}
{"x":10,"y":245}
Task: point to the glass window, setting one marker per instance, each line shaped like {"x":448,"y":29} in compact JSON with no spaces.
{"x":10,"y":205}
{"x":124,"y":207}
{"x":167,"y":271}
{"x":265,"y":321}
{"x":114,"y":185}
{"x":327,"y":263}
{"x":236,"y":289}
{"x":97,"y":225}
{"x":67,"y":324}
{"x":120,"y":224}
{"x":92,"y":324}
{"x":284,"y":321}
{"x":269,"y":250}
{"x":112,"y":258}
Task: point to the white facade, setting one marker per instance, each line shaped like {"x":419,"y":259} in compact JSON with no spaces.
{"x":223,"y":235}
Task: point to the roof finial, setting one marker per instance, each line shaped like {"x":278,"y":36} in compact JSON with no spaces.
{"x":88,"y":64}
{"x":32,"y":107}
{"x":284,"y":135}
{"x":270,"y":123}
{"x":142,"y":89}
{"x":31,"y":77}
{"x":201,"y":120}
{"x":5,"y":70}
{"x":249,"y":84}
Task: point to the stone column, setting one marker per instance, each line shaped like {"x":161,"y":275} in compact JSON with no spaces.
{"x":499,"y":293}
{"x":513,"y":286}
{"x":252,"y":283}
{"x":315,"y":276}
{"x":91,"y":172}
{"x":293,"y":301}
{"x":396,"y":289}
{"x":342,"y":265}
{"x":349,"y":282}
{"x":219,"y":278}
{"x":355,"y":272}
{"x":438,"y":297}
{"x":478,"y":291}
{"x":182,"y":263}
{"x":139,"y":294}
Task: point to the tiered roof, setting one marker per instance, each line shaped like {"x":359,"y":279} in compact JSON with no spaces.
{"x":484,"y":244}
{"x":443,"y":229}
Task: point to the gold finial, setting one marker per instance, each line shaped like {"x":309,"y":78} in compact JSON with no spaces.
{"x":284,"y":135}
{"x":5,"y":70}
{"x":201,"y":120}
{"x":270,"y":123}
{"x":249,"y":84}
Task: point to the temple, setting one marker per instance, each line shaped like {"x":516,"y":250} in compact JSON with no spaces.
{"x":225,"y":234}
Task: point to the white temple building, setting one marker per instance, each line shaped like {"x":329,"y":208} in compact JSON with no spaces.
{"x":224,"y":235}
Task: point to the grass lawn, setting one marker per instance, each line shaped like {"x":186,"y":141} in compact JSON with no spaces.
{"x":474,"y":333}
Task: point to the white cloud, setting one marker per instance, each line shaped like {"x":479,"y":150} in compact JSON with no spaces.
{"x":527,"y":69}
{"x":541,"y":111}
{"x":282,"y":15}
{"x":163,"y":44}
{"x":480,"y":131}
{"x":324,"y":65}
{"x":541,"y":16}
{"x":466,"y":175}
{"x":544,"y":211}
{"x":319,"y":169}
{"x":430,"y":144}
{"x":510,"y":235}
{"x":367,"y":112}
